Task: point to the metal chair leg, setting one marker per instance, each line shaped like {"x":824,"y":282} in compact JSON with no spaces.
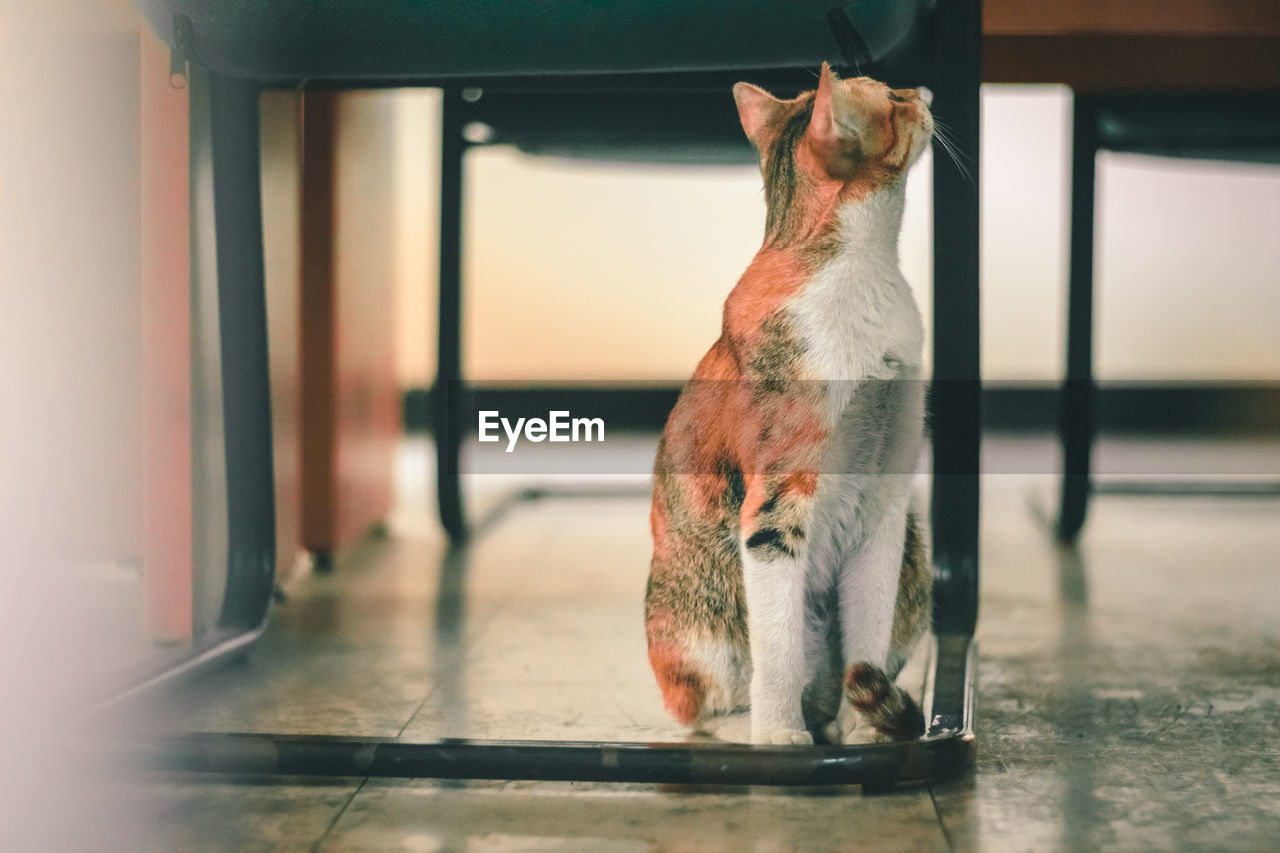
{"x":246,"y":394}
{"x":956,"y":392}
{"x":1079,"y":397}
{"x":448,"y":392}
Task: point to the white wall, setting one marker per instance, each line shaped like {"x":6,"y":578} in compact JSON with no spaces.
{"x":590,"y":271}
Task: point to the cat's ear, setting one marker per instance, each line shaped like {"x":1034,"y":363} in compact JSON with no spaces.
{"x":759,"y":112}
{"x":835,"y":130}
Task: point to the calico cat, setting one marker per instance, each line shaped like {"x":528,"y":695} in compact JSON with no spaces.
{"x":789,"y":572}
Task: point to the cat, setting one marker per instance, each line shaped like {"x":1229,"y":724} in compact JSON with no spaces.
{"x":790,"y":576}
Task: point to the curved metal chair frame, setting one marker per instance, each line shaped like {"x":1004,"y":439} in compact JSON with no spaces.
{"x":952,"y":70}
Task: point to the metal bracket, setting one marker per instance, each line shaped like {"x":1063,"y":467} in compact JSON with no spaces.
{"x":852,"y":47}
{"x":180,"y":55}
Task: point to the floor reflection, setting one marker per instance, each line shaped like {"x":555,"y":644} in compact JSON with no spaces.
{"x":1127,"y":693}
{"x":1076,"y":718}
{"x":450,"y":640}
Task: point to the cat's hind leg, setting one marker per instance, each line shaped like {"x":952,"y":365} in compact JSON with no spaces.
{"x":734,"y":727}
{"x":701,"y":662}
{"x":701,"y":679}
{"x":683,"y":686}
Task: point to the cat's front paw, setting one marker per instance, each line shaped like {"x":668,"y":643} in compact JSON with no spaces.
{"x":782,"y":736}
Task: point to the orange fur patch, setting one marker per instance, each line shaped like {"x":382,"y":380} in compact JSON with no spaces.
{"x":754,"y":500}
{"x":682,"y":687}
{"x":773,"y":277}
{"x":801,"y":484}
{"x":658,"y":527}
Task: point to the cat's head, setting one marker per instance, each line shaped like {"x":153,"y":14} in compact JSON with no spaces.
{"x":858,"y":133}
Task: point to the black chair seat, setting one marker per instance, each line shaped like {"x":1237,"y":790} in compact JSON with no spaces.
{"x":1229,"y":127}
{"x":640,"y":128}
{"x":1241,"y":127}
{"x":372,"y":40}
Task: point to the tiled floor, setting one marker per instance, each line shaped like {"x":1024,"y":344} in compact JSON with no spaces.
{"x":1129,"y":694}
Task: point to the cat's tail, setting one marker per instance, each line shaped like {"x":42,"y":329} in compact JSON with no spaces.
{"x":884,"y":705}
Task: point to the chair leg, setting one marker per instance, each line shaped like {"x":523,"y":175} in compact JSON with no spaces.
{"x":1079,"y":398}
{"x":242,"y":309}
{"x":956,"y":391}
{"x":448,"y":393}
{"x":317,"y":353}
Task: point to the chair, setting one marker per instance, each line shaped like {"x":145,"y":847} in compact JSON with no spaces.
{"x":1241,"y":127}
{"x":494,"y":64}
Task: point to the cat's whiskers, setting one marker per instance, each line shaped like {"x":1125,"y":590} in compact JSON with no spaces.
{"x":948,"y":137}
{"x":949,"y":148}
{"x":948,"y":144}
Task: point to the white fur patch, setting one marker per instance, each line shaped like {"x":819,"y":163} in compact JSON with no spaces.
{"x":858,"y":321}
{"x":728,"y":675}
{"x":857,"y":318}
{"x":775,"y":626}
